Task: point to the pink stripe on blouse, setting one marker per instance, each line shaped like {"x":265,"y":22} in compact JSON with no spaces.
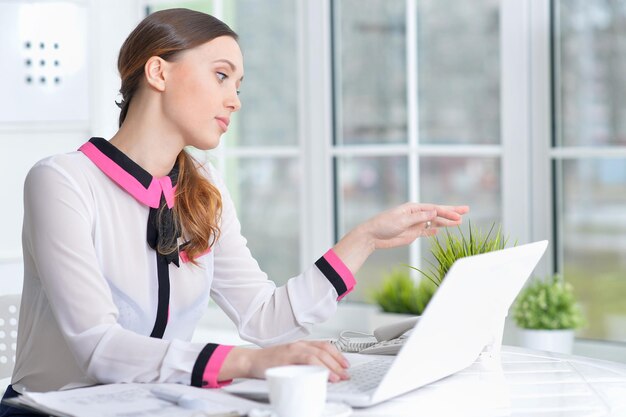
{"x":150,"y":197}
{"x":183,"y":255}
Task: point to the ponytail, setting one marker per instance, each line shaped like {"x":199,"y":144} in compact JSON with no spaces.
{"x":198,"y":207}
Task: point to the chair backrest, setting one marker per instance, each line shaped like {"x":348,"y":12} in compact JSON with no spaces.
{"x":9,"y":313}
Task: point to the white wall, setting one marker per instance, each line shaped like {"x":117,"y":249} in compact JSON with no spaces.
{"x":22,"y":144}
{"x":19,"y":150}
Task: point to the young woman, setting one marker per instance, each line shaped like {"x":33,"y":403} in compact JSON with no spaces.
{"x":125,"y":240}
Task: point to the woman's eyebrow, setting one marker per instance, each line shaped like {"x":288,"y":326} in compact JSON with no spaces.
{"x":232,"y":66}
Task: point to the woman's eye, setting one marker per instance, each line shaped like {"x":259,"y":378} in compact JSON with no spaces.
{"x":221,"y":76}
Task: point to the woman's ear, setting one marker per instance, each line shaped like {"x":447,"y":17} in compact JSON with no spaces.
{"x":154,"y":71}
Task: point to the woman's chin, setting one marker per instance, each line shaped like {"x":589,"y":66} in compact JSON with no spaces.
{"x":207,"y":144}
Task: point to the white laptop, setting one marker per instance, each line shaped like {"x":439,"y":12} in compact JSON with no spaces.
{"x":465,"y":316}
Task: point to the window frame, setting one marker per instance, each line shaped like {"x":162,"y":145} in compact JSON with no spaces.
{"x":546,"y":203}
{"x":413,"y":150}
{"x":527,"y":152}
{"x":555,"y":154}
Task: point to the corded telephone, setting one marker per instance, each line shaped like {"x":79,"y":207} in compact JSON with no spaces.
{"x":386,"y":340}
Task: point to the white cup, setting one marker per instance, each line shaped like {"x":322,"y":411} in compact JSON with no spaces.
{"x":297,"y":390}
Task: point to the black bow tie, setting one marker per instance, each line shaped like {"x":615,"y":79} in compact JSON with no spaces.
{"x":163,"y":227}
{"x":162,"y":231}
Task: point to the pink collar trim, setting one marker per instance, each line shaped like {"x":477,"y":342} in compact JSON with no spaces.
{"x":150,"y":196}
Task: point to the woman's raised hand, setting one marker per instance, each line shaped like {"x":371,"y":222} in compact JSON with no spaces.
{"x":395,"y":227}
{"x":401,"y":225}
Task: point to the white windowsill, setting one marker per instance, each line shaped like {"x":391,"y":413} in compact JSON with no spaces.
{"x":216,"y":327}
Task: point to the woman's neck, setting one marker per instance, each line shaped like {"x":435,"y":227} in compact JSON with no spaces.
{"x":148,"y":143}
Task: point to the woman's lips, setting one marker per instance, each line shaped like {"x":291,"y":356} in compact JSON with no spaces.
{"x":223,"y":122}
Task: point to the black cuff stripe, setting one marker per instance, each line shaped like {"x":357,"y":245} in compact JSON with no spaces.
{"x":332,"y":276}
{"x":198,"y":368}
{"x":164,"y":297}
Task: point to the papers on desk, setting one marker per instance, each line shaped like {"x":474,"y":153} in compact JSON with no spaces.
{"x":133,"y":400}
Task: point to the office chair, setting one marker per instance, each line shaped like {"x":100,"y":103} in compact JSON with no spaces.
{"x":9,"y":313}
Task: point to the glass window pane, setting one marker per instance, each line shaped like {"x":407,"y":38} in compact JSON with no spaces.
{"x":458,"y":71}
{"x":370,"y":71}
{"x":268,"y":39}
{"x":269,"y":92}
{"x":474,"y":181}
{"x":367,"y":186}
{"x":266,"y":194}
{"x":593,"y":242}
{"x":591,"y":76}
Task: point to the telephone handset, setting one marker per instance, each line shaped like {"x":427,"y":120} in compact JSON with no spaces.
{"x":386,"y":340}
{"x":395,"y":330}
{"x":391,"y":337}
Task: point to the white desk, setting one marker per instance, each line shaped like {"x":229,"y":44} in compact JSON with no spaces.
{"x":524,"y":383}
{"x":529,"y":383}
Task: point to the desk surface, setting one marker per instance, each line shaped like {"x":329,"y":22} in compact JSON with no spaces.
{"x":528,"y":383}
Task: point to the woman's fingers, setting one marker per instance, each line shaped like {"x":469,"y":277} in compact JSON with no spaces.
{"x":429,"y":206}
{"x":424,"y":212}
{"x":323,"y":354}
{"x":461,"y":210}
{"x":437,"y":218}
{"x":444,"y":222}
{"x":332,"y":351}
{"x":448,"y":213}
{"x":337,"y":371}
{"x":421,"y":217}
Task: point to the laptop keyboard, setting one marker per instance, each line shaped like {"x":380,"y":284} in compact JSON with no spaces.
{"x":364,"y":377}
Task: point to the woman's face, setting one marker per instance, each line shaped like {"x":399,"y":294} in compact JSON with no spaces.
{"x":201,"y":87}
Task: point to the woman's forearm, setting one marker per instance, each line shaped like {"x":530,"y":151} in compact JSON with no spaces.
{"x":237,"y":364}
{"x":355,"y":247}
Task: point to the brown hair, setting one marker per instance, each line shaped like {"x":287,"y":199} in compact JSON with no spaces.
{"x":165,"y":34}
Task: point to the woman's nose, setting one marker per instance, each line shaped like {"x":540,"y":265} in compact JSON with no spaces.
{"x":233,"y":102}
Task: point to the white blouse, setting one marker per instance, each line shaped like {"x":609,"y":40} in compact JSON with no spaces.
{"x":99,"y":307}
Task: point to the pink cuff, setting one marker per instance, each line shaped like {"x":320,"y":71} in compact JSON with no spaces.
{"x":213,"y":366}
{"x":337,"y":273}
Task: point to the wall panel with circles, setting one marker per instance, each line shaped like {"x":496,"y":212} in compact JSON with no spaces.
{"x":44,"y":61}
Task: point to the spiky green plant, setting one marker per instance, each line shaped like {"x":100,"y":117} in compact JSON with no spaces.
{"x":453,"y":247}
{"x":548,"y":304}
{"x":398,"y":293}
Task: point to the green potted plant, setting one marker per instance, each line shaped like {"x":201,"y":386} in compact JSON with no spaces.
{"x":401,"y":295}
{"x":547,"y":315}
{"x":398,"y":293}
{"x":453,"y":247}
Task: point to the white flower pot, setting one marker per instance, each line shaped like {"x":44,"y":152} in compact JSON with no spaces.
{"x":561,"y":341}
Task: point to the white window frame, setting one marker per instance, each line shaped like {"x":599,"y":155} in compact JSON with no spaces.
{"x":413,"y":150}
{"x":529,"y":29}
{"x":526,"y":127}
